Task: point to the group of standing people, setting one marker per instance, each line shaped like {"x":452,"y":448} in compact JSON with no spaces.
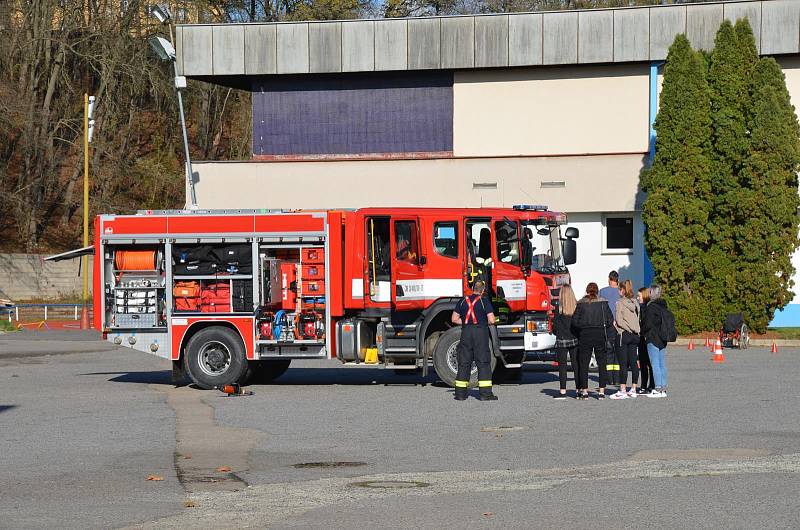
{"x":620,"y":327}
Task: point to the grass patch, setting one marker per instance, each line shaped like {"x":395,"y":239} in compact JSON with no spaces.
{"x":784,"y":333}
{"x":5,"y":325}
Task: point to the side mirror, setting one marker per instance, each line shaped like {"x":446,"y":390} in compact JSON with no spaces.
{"x":570,"y":251}
{"x":571,"y":232}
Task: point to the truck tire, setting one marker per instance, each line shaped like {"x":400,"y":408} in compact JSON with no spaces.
{"x":263,"y":372}
{"x":445,"y":362}
{"x":214,"y":357}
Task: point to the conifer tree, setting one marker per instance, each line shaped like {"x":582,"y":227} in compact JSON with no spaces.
{"x":728,"y":80}
{"x":766,"y":232}
{"x":676,"y":210}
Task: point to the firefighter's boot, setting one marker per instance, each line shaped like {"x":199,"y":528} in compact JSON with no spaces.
{"x":485,"y":391}
{"x":462,"y":389}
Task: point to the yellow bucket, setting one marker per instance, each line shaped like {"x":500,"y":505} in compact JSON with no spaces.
{"x":371,"y":356}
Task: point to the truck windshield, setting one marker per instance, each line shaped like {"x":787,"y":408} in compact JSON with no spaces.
{"x":541,"y":247}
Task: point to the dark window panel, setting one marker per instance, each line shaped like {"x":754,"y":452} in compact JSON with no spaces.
{"x":353,"y":114}
{"x":619,"y":232}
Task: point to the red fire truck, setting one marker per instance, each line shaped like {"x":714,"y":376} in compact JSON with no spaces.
{"x":234,"y":295}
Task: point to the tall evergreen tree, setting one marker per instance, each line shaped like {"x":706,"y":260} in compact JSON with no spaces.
{"x":767,"y":219}
{"x":676,"y":210}
{"x":728,"y":81}
{"x":747,"y":44}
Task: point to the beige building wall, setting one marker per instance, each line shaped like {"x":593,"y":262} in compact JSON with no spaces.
{"x":604,"y":183}
{"x":791,"y":69}
{"x":551,"y":111}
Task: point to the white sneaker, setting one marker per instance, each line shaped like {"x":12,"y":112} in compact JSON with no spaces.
{"x":657,"y":394}
{"x":619,"y":395}
{"x":631,"y":394}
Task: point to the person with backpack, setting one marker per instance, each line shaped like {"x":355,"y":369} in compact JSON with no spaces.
{"x":645,"y":369}
{"x":659,"y":330}
{"x":627,"y":323}
{"x":566,"y":342}
{"x":592,"y":319}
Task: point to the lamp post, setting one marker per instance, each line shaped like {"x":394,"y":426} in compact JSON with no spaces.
{"x":165,"y":49}
{"x":88,"y":129}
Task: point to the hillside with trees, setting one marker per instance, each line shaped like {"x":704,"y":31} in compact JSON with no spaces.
{"x":54,"y":51}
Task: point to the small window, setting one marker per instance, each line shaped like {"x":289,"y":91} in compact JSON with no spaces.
{"x":618,"y":234}
{"x":506,"y":233}
{"x":405,"y":239}
{"x":444,"y":238}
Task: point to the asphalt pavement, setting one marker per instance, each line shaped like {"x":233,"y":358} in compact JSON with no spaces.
{"x":85,"y":424}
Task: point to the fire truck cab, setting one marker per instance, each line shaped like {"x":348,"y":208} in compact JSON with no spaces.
{"x":233,"y":296}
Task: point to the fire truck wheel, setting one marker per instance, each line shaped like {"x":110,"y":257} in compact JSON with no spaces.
{"x":262,"y":372}
{"x":445,"y":362}
{"x":215,"y":356}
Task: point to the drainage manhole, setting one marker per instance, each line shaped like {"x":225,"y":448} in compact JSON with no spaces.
{"x":390,"y":484}
{"x":305,"y":465}
{"x":211,"y":480}
{"x":502,"y":428}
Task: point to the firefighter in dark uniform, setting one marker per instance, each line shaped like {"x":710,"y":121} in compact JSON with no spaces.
{"x":474,"y":314}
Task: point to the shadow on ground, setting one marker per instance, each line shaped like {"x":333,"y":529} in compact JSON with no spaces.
{"x":157,"y":377}
{"x":333,"y":376}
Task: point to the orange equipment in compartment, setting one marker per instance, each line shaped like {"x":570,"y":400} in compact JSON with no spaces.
{"x":288,"y":285}
{"x":313,"y":255}
{"x":187,"y":296}
{"x":216,"y":298}
{"x":313,"y":272}
{"x":313,"y":288}
{"x":135,"y":260}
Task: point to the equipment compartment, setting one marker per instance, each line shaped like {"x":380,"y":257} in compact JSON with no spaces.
{"x":292,"y":307}
{"x":134,"y":286}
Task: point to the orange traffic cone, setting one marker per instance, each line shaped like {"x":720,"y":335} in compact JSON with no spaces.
{"x":690,"y":347}
{"x":708,"y":343}
{"x":774,"y":348}
{"x":718,"y":356}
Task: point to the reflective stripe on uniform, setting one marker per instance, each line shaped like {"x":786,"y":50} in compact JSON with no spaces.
{"x":462,"y":384}
{"x":484,"y":383}
{"x":612,"y":367}
{"x":471,"y":318}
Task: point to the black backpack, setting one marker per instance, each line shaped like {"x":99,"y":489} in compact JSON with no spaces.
{"x":668,"y":331}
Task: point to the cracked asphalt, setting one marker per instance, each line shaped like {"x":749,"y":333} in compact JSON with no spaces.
{"x":84,"y":424}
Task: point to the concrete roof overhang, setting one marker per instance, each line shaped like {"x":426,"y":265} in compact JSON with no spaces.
{"x":222,"y":53}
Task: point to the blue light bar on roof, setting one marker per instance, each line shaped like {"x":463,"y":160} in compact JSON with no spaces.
{"x":533,"y":207}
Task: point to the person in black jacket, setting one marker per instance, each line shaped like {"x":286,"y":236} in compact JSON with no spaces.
{"x":566,"y":342}
{"x":656,"y":345}
{"x":646,"y":371}
{"x":592,"y":319}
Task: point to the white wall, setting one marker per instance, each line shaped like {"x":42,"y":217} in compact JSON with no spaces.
{"x":593,"y":265}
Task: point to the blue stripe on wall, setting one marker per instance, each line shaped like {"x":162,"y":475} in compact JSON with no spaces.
{"x":353,"y":114}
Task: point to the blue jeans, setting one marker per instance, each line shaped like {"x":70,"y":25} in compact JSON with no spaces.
{"x":658,"y":364}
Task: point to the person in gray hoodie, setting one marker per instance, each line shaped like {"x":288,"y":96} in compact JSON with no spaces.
{"x":627,"y":324}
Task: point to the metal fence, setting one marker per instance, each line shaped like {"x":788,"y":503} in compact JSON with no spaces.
{"x":42,"y":312}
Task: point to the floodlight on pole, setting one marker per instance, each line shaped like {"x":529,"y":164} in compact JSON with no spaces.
{"x":165,"y":49}
{"x":161,"y":12}
{"x":162,"y":47}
